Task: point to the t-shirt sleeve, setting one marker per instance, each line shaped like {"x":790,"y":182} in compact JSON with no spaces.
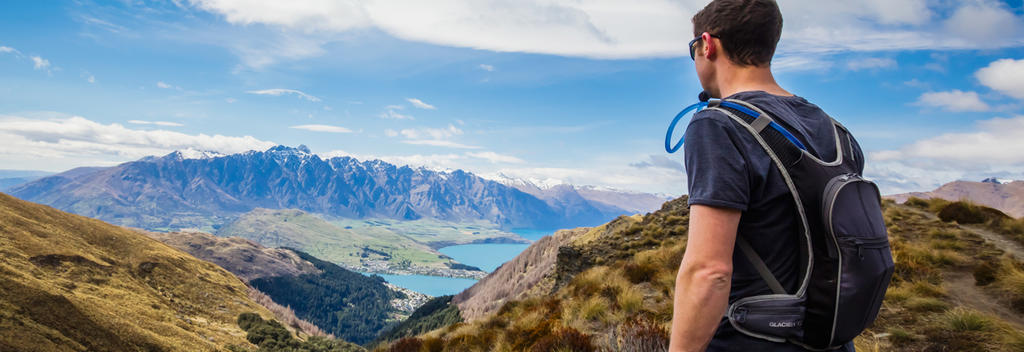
{"x":716,"y":169}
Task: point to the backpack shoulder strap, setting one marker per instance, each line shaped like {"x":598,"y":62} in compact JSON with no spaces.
{"x":784,"y":150}
{"x":762,"y":268}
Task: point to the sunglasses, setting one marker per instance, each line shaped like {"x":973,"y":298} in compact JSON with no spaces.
{"x":693,"y":49}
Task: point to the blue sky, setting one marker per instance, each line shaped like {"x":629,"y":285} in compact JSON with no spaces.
{"x":570,"y":91}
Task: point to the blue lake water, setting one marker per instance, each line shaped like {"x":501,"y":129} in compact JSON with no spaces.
{"x":429,"y":285}
{"x":487,"y":257}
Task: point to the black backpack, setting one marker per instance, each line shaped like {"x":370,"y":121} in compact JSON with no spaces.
{"x":846,"y":262}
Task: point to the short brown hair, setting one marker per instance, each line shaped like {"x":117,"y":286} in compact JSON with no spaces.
{"x":749,"y":29}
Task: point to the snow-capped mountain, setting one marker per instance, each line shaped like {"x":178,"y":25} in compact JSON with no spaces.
{"x":556,"y":192}
{"x":191,"y":189}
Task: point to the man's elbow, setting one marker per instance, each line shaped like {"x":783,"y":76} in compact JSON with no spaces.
{"x":717,"y":275}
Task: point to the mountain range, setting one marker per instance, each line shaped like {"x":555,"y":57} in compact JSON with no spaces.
{"x":1004,"y":195}
{"x":205,"y":191}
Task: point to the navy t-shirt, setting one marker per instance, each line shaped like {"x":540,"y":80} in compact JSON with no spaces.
{"x":726,"y":167}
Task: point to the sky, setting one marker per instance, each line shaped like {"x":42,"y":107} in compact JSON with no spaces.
{"x":575,"y":91}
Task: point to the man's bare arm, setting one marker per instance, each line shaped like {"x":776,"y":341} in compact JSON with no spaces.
{"x":705,"y":276}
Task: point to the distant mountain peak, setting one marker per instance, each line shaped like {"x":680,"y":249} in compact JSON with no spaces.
{"x":301,"y":150}
{"x":998,"y":181}
{"x":189,"y":153}
{"x":518,"y":182}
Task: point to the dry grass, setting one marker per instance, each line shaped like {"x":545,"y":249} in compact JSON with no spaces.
{"x":69,"y":282}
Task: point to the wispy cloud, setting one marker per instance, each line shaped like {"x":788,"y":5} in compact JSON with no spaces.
{"x":436,"y":137}
{"x":496,"y":158}
{"x":420,"y":104}
{"x":636,"y":29}
{"x":78,"y":141}
{"x":391,"y":113}
{"x":873,"y":63}
{"x":9,"y":50}
{"x":440,"y":143}
{"x":156,"y":123}
{"x":322,"y":128}
{"x":165,"y":85}
{"x":486,"y":67}
{"x":40,"y":63}
{"x":954,"y":100}
{"x":283,"y":91}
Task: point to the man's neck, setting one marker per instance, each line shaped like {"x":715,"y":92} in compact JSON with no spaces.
{"x":737,"y":79}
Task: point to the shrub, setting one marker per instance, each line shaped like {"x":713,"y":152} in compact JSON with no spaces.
{"x":900,"y":336}
{"x":595,"y":308}
{"x":641,"y":335}
{"x":637,"y":273}
{"x":630,"y":301}
{"x":406,"y":344}
{"x":925,"y":304}
{"x":986,"y":273}
{"x":565,"y":339}
{"x":967,"y":213}
{"x":961,"y":319}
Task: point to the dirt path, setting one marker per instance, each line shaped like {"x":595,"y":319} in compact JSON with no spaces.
{"x":998,"y":240}
{"x":961,"y":289}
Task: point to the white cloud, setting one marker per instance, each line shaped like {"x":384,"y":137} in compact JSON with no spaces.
{"x":391,"y":113}
{"x":281,"y":91}
{"x":983,"y":21}
{"x":432,"y":133}
{"x":161,"y":84}
{"x":77,"y":141}
{"x":40,"y":63}
{"x":1005,"y":76}
{"x":156,"y":123}
{"x":7,"y":49}
{"x":993,"y":148}
{"x":440,"y":143}
{"x":436,"y":137}
{"x":996,"y":142}
{"x":322,"y":128}
{"x":873,"y":63}
{"x":420,"y":104}
{"x":486,"y":67}
{"x":91,"y":79}
{"x":496,"y":158}
{"x":954,"y":100}
{"x":612,"y":30}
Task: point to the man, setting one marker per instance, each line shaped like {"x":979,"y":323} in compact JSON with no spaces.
{"x":734,"y":188}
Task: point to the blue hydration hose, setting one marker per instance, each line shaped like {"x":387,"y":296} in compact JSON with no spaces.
{"x":704,"y":97}
{"x":672,"y":126}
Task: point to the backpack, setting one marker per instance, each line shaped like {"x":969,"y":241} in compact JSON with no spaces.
{"x":846,"y":261}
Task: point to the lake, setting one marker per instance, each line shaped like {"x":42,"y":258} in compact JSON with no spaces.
{"x":487,"y":257}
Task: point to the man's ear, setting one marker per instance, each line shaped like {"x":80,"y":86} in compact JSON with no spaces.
{"x":710,"y":47}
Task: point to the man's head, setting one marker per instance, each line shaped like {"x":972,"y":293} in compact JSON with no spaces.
{"x":742,"y":32}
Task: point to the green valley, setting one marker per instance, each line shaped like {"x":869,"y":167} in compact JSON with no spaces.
{"x":369,"y":245}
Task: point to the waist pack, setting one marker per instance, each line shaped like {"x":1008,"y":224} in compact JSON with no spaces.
{"x":846,"y":262}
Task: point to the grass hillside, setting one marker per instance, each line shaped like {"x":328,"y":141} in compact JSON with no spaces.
{"x":957,"y":288}
{"x":70,"y":283}
{"x":356,"y":245}
{"x":244,"y":258}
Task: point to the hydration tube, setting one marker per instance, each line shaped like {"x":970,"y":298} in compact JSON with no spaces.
{"x":703,"y":97}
